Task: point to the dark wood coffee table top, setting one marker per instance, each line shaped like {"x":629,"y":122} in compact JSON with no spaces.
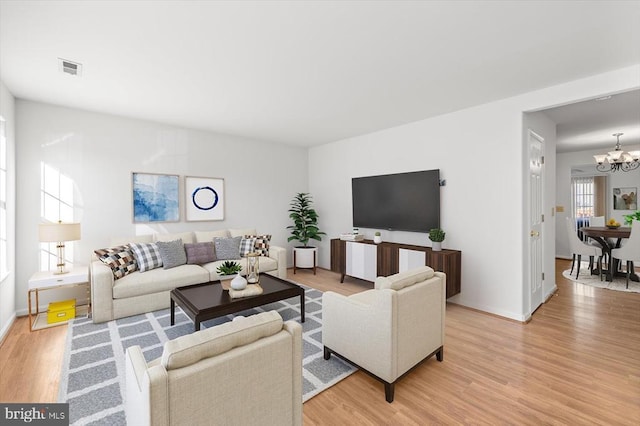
{"x":202,"y":302}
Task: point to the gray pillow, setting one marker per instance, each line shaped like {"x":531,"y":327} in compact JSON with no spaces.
{"x":227,"y":248}
{"x":199,"y":253}
{"x":172,"y":253}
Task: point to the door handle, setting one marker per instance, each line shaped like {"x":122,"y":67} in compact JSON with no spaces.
{"x":534,"y":234}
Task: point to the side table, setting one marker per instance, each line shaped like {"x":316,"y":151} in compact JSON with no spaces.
{"x":47,"y":280}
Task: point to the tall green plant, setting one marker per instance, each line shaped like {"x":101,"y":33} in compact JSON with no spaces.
{"x":631,"y":217}
{"x":305,"y":220}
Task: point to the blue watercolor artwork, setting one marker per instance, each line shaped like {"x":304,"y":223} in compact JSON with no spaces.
{"x":155,"y":198}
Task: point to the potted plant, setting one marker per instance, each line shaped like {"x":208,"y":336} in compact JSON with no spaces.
{"x":304,"y":228}
{"x":227,"y":268}
{"x":377,"y":238}
{"x":629,"y":218}
{"x":436,"y":235}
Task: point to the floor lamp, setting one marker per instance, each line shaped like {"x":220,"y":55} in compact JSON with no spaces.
{"x":59,"y":233}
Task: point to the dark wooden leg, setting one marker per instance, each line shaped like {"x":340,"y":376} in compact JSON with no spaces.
{"x":629,"y":263}
{"x":302,"y":306}
{"x":440,"y":355}
{"x":327,"y":353}
{"x":342,"y":277}
{"x":315,"y":254}
{"x":294,"y":261}
{"x":196,"y":324}
{"x":573,"y":262}
{"x":173,"y":312}
{"x":388,"y":391}
{"x":578,"y":268}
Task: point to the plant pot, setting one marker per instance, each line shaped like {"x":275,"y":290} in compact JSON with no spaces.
{"x":377,"y":239}
{"x":305,"y":257}
{"x":436,"y":245}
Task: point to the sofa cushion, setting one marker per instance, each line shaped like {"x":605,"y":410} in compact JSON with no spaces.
{"x":206,"y":236}
{"x":247,"y":246}
{"x":172,"y":253}
{"x":158,"y":280}
{"x":404,"y":279}
{"x":261,"y":245}
{"x":199,"y":253}
{"x":187,"y":350}
{"x":147,"y":255}
{"x":239,"y":232}
{"x":227,"y":248}
{"x":186,"y":237}
{"x":120,"y":259}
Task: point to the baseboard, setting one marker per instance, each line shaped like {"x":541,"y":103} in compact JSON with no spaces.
{"x":550,"y":294}
{"x":7,"y":327}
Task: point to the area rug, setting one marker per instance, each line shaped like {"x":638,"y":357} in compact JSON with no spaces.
{"x":93,"y":371}
{"x":585,"y":277}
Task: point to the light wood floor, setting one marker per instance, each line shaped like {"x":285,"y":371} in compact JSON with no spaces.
{"x":576,"y":362}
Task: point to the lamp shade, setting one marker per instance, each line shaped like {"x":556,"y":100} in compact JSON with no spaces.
{"x":57,"y":232}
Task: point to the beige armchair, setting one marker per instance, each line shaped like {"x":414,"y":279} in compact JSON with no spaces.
{"x":388,"y":330}
{"x":245,"y":372}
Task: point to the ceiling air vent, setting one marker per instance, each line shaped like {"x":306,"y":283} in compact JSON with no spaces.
{"x":70,"y":67}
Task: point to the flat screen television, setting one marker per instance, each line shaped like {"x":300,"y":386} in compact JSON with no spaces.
{"x":397,"y":202}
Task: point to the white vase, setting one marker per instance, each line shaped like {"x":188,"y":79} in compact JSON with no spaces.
{"x":239,"y":282}
{"x":436,"y":245}
{"x":377,"y":239}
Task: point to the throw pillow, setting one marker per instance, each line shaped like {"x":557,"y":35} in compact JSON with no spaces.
{"x":247,"y":246}
{"x":199,"y":253}
{"x":261,"y":246}
{"x":120,"y":259}
{"x":172,"y":253}
{"x":147,"y":255}
{"x":227,"y":248}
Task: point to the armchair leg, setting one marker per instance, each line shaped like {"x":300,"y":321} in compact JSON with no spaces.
{"x":388,"y":391}
{"x":327,"y":353}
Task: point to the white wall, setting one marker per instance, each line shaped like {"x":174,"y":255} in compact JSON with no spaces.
{"x":584,"y":159}
{"x":99,"y":152}
{"x":480,"y":154}
{"x":8,"y":283}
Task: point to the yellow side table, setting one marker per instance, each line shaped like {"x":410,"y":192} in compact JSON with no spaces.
{"x":47,"y":280}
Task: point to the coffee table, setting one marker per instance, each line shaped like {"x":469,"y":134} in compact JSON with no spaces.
{"x":205,"y":301}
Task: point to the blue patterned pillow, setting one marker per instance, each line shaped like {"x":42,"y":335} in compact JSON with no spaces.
{"x":147,"y":255}
{"x":227,"y":248}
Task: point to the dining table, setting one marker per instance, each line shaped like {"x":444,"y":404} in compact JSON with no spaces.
{"x":610,"y":238}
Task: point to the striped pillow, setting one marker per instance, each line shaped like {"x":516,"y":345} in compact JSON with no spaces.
{"x":147,"y":255}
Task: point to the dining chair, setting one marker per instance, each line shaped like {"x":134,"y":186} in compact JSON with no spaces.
{"x":597,"y":221}
{"x":630,"y":252}
{"x":579,"y":248}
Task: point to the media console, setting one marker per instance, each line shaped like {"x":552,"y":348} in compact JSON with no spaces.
{"x":367,"y":260}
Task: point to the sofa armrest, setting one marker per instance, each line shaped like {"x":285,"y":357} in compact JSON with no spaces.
{"x":295,"y":329}
{"x":371,"y":337}
{"x":279,"y":254}
{"x":146,"y":390}
{"x":101,"y":279}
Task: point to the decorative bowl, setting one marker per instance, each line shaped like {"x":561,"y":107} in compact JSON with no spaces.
{"x":613,"y":226}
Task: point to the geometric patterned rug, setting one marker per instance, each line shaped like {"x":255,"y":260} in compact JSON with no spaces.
{"x":92,"y":377}
{"x":585,"y":277}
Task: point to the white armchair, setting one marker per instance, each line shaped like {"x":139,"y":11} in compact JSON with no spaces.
{"x":245,"y":372}
{"x":388,"y":330}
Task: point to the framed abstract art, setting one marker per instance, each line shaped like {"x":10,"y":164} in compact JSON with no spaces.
{"x":155,"y":198}
{"x":204,"y":198}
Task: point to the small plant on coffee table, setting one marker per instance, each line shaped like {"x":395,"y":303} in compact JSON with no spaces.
{"x":229,"y":267}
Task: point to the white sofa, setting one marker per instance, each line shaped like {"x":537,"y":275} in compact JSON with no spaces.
{"x":141,"y":292}
{"x":388,"y":330}
{"x":244,"y":372}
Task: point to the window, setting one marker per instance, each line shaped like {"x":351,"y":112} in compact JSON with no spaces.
{"x":583,"y":197}
{"x":56,"y":204}
{"x":4,"y":267}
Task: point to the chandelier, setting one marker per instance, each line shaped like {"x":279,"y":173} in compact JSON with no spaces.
{"x":618,"y":159}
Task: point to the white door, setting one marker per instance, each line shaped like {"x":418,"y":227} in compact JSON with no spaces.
{"x":536,"y":266}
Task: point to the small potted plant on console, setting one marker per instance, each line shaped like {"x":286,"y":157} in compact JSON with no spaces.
{"x":436,"y":235}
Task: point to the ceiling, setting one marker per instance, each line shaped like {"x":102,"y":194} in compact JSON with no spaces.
{"x":308,"y":72}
